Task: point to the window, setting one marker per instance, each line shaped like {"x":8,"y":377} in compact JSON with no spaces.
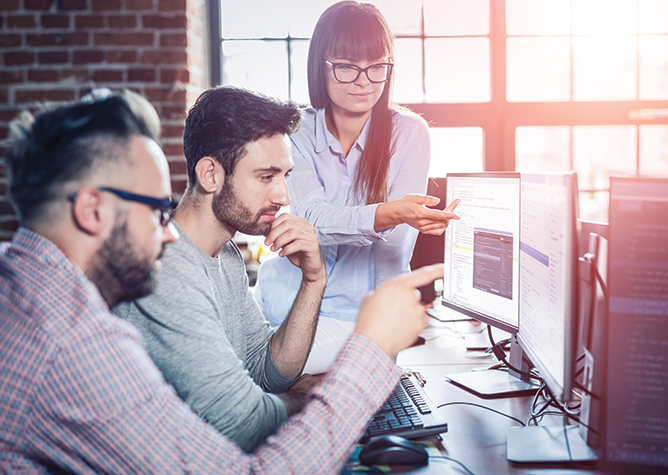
{"x":506,"y":84}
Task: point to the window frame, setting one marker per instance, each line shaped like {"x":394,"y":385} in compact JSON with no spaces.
{"x":498,"y":118}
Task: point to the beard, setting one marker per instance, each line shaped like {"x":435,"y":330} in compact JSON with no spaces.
{"x":119,"y":272}
{"x":231,"y":212}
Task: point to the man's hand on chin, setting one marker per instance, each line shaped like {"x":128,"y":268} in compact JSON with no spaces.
{"x":296,"y":239}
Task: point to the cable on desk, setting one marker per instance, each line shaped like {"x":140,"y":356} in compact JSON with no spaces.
{"x":463,"y":403}
{"x":498,"y":351}
{"x":452,"y":460}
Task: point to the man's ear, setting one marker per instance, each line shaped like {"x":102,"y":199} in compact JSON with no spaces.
{"x":210,"y":175}
{"x":87,"y":211}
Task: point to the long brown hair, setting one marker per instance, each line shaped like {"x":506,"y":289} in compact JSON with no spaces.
{"x":358,"y":31}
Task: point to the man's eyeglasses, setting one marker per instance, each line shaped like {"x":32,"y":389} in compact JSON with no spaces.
{"x":347,"y":73}
{"x":166,"y":206}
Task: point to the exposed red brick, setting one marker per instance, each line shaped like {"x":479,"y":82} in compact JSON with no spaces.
{"x":68,"y":5}
{"x":7,"y":115}
{"x":55,"y":21}
{"x":42,"y":75}
{"x":172,"y":130}
{"x":141,"y":74}
{"x":16,"y":58}
{"x":44,"y":5}
{"x":124,"y":39}
{"x":10,"y":225}
{"x":43,"y":95}
{"x":172,"y":5}
{"x":4,"y":132}
{"x":11,"y":77}
{"x":4,"y":98}
{"x":89,"y":21}
{"x":82,"y":75}
{"x":6,"y":207}
{"x":53,"y":57}
{"x":3,"y":169}
{"x":9,"y":5}
{"x":88,"y":57}
{"x":105,"y":5}
{"x":179,"y":186}
{"x":177,"y":167}
{"x":21,"y":21}
{"x":108,"y":75}
{"x":127,"y":57}
{"x":58,"y":39}
{"x":122,"y":21}
{"x":173,"y":75}
{"x":164,"y":57}
{"x":164,"y":21}
{"x":138,"y":5}
{"x":10,"y":41}
{"x":154,"y":94}
{"x":176,"y":39}
{"x":173,"y":149}
{"x":3,"y":189}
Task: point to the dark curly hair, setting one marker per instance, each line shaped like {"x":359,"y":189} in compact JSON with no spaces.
{"x":225,"y":119}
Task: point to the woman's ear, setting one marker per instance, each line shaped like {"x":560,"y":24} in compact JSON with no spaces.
{"x":209,"y":173}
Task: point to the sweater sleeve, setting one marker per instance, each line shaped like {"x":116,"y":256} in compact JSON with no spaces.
{"x":181,"y":325}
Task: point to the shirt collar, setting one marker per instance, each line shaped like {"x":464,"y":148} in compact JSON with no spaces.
{"x":324,"y":138}
{"x":26,"y":241}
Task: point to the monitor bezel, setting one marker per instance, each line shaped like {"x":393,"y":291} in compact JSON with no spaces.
{"x":562,"y":390}
{"x":484,"y":318}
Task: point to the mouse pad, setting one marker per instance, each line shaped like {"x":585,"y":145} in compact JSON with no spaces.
{"x":354,"y":466}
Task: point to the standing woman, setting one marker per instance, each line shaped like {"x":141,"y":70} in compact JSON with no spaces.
{"x":360,"y":175}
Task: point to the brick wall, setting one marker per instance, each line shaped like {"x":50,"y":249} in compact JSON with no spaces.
{"x":58,"y":50}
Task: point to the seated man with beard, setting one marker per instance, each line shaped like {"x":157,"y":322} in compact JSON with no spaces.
{"x":78,"y":392}
{"x":202,"y":327}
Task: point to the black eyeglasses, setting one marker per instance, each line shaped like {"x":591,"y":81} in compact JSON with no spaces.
{"x":166,"y":206}
{"x":347,"y":73}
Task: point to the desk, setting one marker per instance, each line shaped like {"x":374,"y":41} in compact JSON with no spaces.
{"x":476,"y":437}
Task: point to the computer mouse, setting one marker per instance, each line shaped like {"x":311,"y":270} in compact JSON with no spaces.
{"x":393,"y":450}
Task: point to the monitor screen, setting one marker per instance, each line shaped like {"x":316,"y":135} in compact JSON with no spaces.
{"x":481,"y":277}
{"x":637,"y":355}
{"x":548,"y":277}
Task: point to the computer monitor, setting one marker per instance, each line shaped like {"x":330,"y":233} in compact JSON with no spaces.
{"x":481,"y":256}
{"x":636,"y":403}
{"x":481,"y":275}
{"x":549,"y":306}
{"x":548,"y":297}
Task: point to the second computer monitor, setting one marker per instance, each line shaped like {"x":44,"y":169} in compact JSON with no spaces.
{"x":548,"y":294}
{"x":482,"y":248}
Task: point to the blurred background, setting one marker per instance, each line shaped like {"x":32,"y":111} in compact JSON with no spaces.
{"x":528,"y":85}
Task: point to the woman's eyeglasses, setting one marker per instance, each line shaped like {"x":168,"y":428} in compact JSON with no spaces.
{"x":347,"y":73}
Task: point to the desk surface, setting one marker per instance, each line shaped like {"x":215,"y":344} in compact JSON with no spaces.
{"x":476,"y":437}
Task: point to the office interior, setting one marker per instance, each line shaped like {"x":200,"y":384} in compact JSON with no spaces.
{"x":528,"y":86}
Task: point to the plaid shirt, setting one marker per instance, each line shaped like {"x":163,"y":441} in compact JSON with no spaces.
{"x":79,"y":393}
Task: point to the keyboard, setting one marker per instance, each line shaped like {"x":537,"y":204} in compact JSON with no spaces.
{"x":408,"y":412}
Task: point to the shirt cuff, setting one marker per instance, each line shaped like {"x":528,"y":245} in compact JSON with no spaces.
{"x":367,"y":369}
{"x":367,"y":219}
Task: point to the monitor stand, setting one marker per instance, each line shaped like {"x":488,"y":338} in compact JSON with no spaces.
{"x":493,"y":384}
{"x":549,"y":444}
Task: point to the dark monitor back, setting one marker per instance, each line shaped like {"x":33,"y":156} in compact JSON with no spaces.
{"x":636,"y":402}
{"x":429,"y":248}
{"x":586,"y":228}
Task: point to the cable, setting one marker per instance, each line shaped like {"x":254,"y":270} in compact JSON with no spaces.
{"x":568,"y":444}
{"x":480,"y":405}
{"x":501,"y":355}
{"x":452,"y":460}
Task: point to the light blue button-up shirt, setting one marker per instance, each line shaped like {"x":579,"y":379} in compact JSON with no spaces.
{"x":321,"y":187}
